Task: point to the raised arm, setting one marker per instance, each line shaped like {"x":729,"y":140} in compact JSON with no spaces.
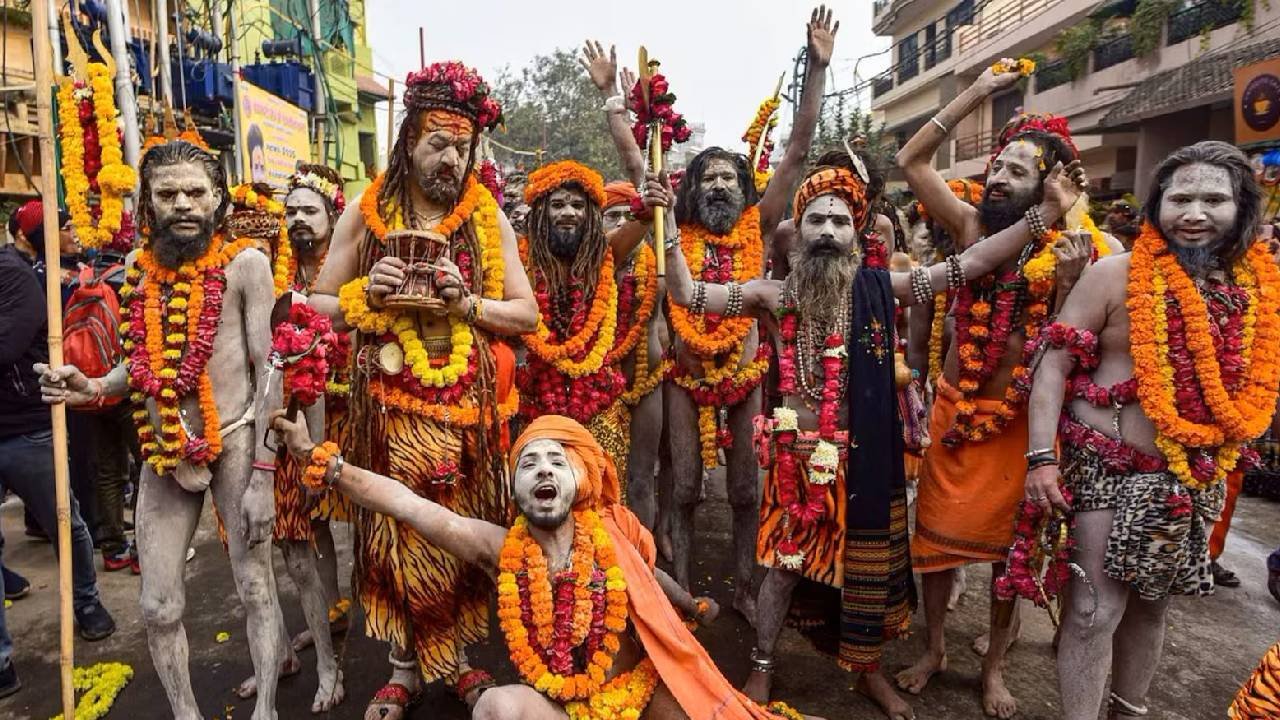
{"x":1086,"y":308}
{"x":603,"y":70}
{"x":1061,"y":188}
{"x":916,"y":157}
{"x":470,"y":540}
{"x":821,"y":42}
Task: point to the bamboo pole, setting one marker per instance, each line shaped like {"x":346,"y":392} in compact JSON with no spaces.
{"x":655,"y":164}
{"x":53,"y":306}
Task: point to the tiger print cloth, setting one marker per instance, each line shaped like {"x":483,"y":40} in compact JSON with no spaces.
{"x":333,"y":505}
{"x":1259,"y":698}
{"x":822,"y":541}
{"x":612,"y":429}
{"x":293,"y":517}
{"x":1158,"y":542}
{"x":414,"y":594}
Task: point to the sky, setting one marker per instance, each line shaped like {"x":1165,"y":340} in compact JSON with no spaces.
{"x":722,"y":57}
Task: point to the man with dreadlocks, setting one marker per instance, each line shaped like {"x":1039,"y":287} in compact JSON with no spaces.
{"x":573,"y":362}
{"x":970,"y":484}
{"x":432,"y":385}
{"x":720,"y":361}
{"x":833,"y":520}
{"x":300,"y":238}
{"x":197,"y":337}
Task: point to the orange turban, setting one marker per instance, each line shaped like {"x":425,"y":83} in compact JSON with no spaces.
{"x":837,"y":181}
{"x":619,"y":193}
{"x":597,"y":477}
{"x":565,"y":172}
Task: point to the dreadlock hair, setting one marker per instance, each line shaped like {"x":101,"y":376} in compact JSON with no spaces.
{"x":395,"y":183}
{"x":585,"y":269}
{"x":1248,"y":195}
{"x":176,"y":152}
{"x":691,"y":185}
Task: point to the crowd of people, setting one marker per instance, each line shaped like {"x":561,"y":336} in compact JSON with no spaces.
{"x":509,"y":388}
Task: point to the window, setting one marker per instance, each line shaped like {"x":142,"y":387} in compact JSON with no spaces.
{"x":908,"y":58}
{"x":930,"y":45}
{"x":961,"y":14}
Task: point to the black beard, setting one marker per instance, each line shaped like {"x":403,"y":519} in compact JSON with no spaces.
{"x":564,"y":243}
{"x":304,"y":240}
{"x":1198,"y":261}
{"x":173,"y":250}
{"x":823,"y":277}
{"x":718,"y":211}
{"x":997,"y":215}
{"x":545,"y":522}
{"x":441,"y":189}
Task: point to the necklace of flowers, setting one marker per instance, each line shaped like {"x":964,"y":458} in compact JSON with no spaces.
{"x":936,"y":329}
{"x":800,"y":342}
{"x":640,"y":282}
{"x":1038,"y":537}
{"x":584,"y":349}
{"x":982,"y":337}
{"x":113,"y":177}
{"x":802,"y":506}
{"x":168,"y":347}
{"x":739,"y":257}
{"x":720,"y":388}
{"x":544,"y":623}
{"x":622,"y":698}
{"x":762,"y":124}
{"x":1161,"y":298}
{"x":875,"y":253}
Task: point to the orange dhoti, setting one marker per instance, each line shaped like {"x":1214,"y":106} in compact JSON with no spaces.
{"x":968,"y":494}
{"x":414,"y":594}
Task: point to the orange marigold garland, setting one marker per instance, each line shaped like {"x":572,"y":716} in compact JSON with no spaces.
{"x":545,"y":619}
{"x":1160,"y":291}
{"x":583,"y":352}
{"x":641,"y":283}
{"x":551,"y":177}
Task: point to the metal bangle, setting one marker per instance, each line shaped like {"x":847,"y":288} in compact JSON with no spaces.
{"x":331,"y":478}
{"x":410,"y":664}
{"x":939,"y":125}
{"x":1040,"y":462}
{"x":1039,"y":451}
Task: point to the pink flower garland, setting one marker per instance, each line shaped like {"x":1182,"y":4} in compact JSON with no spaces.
{"x":198,"y":347}
{"x":1038,"y":537}
{"x":303,"y":345}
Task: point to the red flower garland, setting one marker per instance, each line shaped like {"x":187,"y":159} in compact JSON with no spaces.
{"x":660,"y":108}
{"x":1038,"y":536}
{"x":303,"y":345}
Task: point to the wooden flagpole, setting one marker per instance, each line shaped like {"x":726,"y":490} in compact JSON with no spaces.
{"x":53,"y":305}
{"x":391,"y":119}
{"x":655,"y":162}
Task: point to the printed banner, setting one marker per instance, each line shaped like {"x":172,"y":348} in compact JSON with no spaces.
{"x":1257,"y":102}
{"x":274,"y":134}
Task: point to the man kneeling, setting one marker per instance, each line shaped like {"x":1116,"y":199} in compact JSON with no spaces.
{"x":619,"y":645}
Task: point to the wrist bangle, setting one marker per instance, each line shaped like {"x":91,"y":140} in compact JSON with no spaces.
{"x":1039,"y":451}
{"x":313,"y":477}
{"x":615,"y":104}
{"x":331,"y":477}
{"x":938,"y":123}
{"x":1041,"y":462}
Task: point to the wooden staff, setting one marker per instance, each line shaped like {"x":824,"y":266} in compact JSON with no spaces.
{"x":53,"y":307}
{"x":655,"y":162}
{"x":764,"y":131}
{"x":391,"y":119}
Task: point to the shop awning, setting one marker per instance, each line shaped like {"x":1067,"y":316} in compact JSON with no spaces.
{"x":366,"y":85}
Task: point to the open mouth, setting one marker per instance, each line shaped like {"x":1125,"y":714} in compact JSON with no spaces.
{"x":545,"y":493}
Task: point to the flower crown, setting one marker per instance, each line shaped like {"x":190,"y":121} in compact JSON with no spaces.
{"x":306,"y":178}
{"x":565,"y":172}
{"x":1044,"y":122}
{"x":454,"y":87}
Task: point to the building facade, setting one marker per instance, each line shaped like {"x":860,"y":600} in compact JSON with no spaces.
{"x":1135,"y":78}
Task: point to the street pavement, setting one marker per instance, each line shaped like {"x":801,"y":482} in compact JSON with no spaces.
{"x":1212,"y":644}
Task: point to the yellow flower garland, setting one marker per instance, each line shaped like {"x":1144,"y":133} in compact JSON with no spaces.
{"x":419,"y":363}
{"x":935,"y":335}
{"x":356,"y":311}
{"x":71,"y":137}
{"x":625,"y":697}
{"x":115,"y":179}
{"x":100,"y":684}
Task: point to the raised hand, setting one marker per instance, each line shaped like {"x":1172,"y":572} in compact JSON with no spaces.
{"x":1073,"y":251}
{"x":822,"y":36}
{"x":1063,"y":185}
{"x":992,"y":83}
{"x":629,"y":80}
{"x":603,"y":69}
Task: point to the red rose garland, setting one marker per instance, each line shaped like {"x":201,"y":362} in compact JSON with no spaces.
{"x":1038,"y":537}
{"x":660,"y":108}
{"x":303,"y":345}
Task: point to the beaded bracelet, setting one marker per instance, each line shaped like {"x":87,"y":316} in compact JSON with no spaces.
{"x":955,"y":273}
{"x":921,"y":287}
{"x":733,"y":307}
{"x":699,"y":304}
{"x":313,"y":477}
{"x":1036,"y":223}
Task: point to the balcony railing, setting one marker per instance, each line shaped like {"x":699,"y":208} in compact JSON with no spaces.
{"x":1112,"y":52}
{"x":881,"y":84}
{"x":1211,"y":15}
{"x":1051,"y":75}
{"x":974,"y":146}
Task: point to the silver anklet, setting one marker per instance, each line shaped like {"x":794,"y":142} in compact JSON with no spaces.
{"x":1128,"y":708}
{"x":762,"y":663}
{"x":397,"y":663}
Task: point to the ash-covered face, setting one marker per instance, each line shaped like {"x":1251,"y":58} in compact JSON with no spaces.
{"x":183,"y":203}
{"x":615,"y":216}
{"x":567,"y":210}
{"x":306,"y":216}
{"x":720,"y":201}
{"x":1013,"y":186}
{"x":1198,"y":208}
{"x":921,"y":240}
{"x":545,"y":484}
{"x":827,"y":257}
{"x":519,"y":217}
{"x":441,"y":155}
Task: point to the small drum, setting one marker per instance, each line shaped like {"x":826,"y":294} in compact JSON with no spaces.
{"x":420,"y":250}
{"x":386,"y":358}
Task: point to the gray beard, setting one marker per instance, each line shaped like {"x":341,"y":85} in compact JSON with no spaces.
{"x":719,"y":217}
{"x":439,"y":189}
{"x":1200,"y":261}
{"x":822,"y":283}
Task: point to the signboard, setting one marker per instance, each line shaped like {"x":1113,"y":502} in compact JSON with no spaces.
{"x":274,"y":135}
{"x":1257,"y":102}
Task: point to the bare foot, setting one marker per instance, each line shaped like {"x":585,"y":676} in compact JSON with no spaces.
{"x":664,"y":546}
{"x":997,"y":701}
{"x":249,"y":688}
{"x":758,"y":686}
{"x":915,"y":678}
{"x":330,"y":694}
{"x":744,"y":603}
{"x":877,"y":687}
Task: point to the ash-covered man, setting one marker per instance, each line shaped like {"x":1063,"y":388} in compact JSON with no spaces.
{"x":833,"y":513}
{"x":1167,"y":358}
{"x":969,"y":487}
{"x":197,"y":339}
